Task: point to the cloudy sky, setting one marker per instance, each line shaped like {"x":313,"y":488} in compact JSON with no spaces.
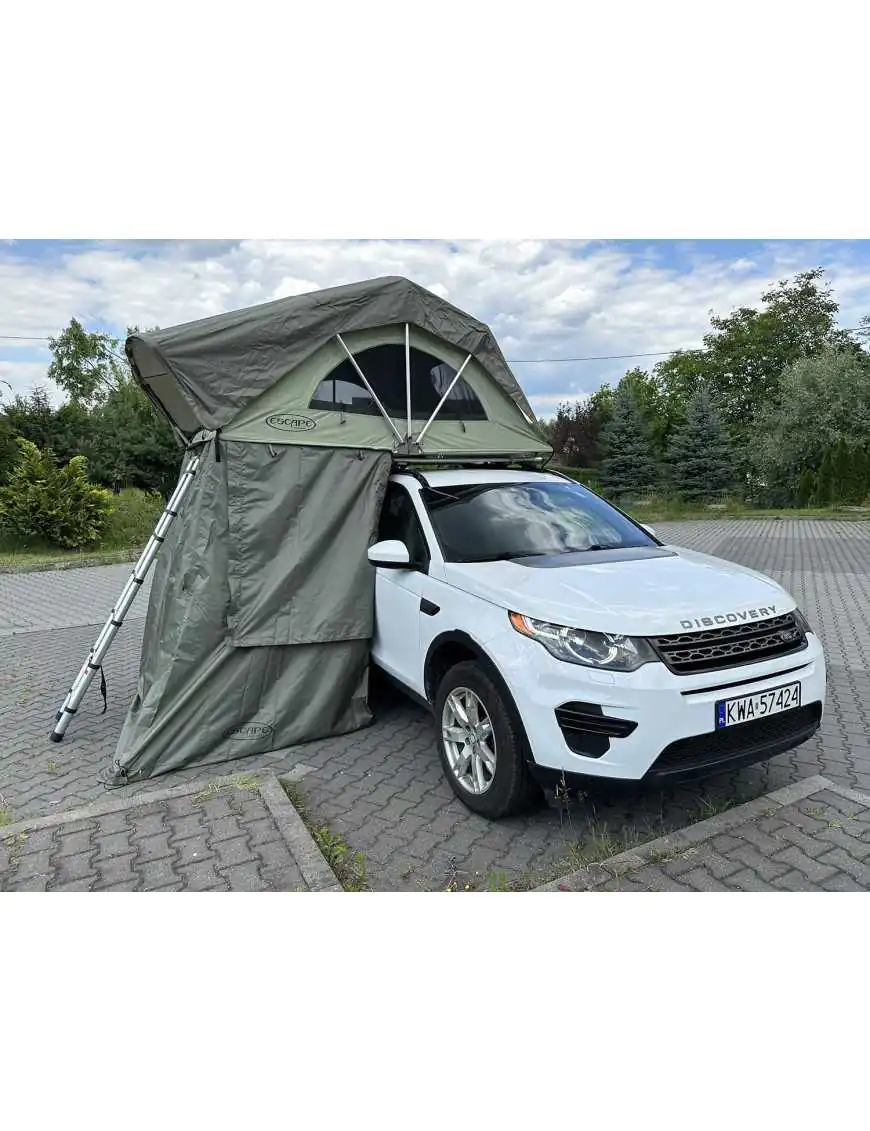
{"x":544,"y":299}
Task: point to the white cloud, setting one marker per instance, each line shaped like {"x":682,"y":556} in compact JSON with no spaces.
{"x":22,"y":377}
{"x":547,"y":299}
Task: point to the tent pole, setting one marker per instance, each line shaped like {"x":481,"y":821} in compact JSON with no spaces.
{"x":408,"y":377}
{"x":374,"y":395}
{"x":447,"y":393}
{"x":94,"y":662}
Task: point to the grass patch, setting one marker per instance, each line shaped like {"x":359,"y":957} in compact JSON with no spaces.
{"x":599,"y":842}
{"x":497,"y":881}
{"x":662,"y":506}
{"x":348,"y":865}
{"x":713,"y":806}
{"x":5,"y":818}
{"x":240,"y":781}
{"x":132,"y":521}
{"x":665,"y":509}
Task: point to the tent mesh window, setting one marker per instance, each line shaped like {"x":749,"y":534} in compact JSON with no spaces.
{"x":384,"y":367}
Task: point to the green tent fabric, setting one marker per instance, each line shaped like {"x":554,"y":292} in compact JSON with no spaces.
{"x":205,"y":372}
{"x":261,"y":612}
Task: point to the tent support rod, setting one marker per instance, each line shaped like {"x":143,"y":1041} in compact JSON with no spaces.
{"x":447,"y":393}
{"x":94,"y":662}
{"x":374,"y":395}
{"x":408,"y":376}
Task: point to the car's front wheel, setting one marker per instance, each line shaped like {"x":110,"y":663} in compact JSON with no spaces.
{"x":482,"y":744}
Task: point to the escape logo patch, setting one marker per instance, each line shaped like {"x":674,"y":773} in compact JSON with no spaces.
{"x":291,"y":423}
{"x":248,"y":731}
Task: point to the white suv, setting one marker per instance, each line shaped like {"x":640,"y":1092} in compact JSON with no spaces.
{"x":555,"y":639}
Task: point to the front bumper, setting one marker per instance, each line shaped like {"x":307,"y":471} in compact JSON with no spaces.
{"x":674,"y":736}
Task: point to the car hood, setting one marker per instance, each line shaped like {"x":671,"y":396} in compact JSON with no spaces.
{"x":657,"y":592}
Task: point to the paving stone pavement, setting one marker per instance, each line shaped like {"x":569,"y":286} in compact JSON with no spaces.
{"x":229,"y":835}
{"x":31,"y":602}
{"x":811,"y":836}
{"x":382,"y":788}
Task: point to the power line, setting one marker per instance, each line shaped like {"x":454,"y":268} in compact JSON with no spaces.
{"x":523,"y":361}
{"x":597,"y":357}
{"x":516,"y":361}
{"x":626,"y":356}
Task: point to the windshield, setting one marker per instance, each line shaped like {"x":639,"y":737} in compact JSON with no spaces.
{"x":499,"y":521}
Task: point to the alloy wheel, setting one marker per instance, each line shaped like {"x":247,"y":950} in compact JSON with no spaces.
{"x":469,"y":741}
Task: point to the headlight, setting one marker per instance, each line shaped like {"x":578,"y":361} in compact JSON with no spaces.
{"x":591,"y":649}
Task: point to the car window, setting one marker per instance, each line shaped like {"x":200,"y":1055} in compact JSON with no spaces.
{"x":399,"y":521}
{"x":496,"y":521}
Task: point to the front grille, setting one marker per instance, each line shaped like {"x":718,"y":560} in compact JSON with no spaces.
{"x":710,"y":650}
{"x":761,"y":736}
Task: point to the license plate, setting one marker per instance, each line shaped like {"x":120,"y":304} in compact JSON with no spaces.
{"x":745,"y":708}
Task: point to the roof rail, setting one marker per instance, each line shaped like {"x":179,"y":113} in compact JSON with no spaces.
{"x":415,"y":474}
{"x":523,"y":460}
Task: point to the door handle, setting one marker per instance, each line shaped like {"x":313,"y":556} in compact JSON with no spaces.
{"x":429,"y":608}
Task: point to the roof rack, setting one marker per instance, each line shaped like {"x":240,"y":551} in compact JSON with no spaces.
{"x":527,"y":460}
{"x":524,"y":462}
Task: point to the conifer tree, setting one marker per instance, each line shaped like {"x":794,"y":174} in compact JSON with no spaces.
{"x":629,"y":463}
{"x":701,"y":457}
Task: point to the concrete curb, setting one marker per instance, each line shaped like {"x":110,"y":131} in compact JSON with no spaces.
{"x":315,"y":870}
{"x":312,"y":864}
{"x":585,"y":879}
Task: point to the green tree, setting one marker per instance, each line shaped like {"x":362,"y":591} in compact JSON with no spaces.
{"x":72,"y":432}
{"x":629,"y":462}
{"x":862,"y":474}
{"x":8,"y":449}
{"x":85,"y":364}
{"x":649,"y":396}
{"x":133,"y":445}
{"x":841,"y":472}
{"x":747,"y":350}
{"x":823,"y":399}
{"x":700,"y":453}
{"x":108,"y":417}
{"x":863,"y":331}
{"x":824,"y":495}
{"x":851,"y":472}
{"x":32,"y":417}
{"x":806,"y":487}
{"x":44,"y":502}
{"x":602,"y":402}
{"x":575,"y":434}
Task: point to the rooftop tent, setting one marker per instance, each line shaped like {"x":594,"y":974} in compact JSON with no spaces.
{"x":261,"y":610}
{"x":342,"y":361}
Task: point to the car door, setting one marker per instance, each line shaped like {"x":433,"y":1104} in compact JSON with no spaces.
{"x":398,"y":592}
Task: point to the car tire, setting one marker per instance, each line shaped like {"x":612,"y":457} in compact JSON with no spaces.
{"x":509,"y":787}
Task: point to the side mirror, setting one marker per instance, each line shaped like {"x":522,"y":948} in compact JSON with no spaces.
{"x":391,"y":555}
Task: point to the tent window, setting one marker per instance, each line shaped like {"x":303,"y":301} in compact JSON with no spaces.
{"x":384,"y":367}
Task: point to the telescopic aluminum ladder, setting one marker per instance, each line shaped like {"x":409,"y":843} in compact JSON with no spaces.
{"x":94,"y":662}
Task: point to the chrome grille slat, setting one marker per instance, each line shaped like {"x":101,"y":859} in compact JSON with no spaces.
{"x":714,"y":649}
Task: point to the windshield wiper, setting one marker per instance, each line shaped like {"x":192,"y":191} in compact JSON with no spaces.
{"x":508,"y":556}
